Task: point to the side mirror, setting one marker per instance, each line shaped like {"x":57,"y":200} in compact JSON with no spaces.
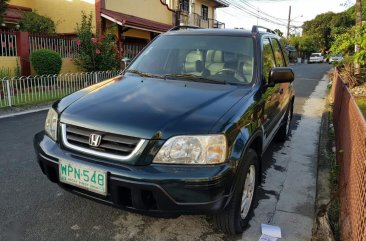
{"x":281,"y":75}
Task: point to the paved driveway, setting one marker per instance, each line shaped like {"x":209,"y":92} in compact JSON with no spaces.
{"x":32,"y":208}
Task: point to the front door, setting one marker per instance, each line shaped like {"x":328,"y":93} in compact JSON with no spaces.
{"x":271,"y":95}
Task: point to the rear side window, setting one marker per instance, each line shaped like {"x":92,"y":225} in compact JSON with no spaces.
{"x":268,"y":59}
{"x":280,"y":62}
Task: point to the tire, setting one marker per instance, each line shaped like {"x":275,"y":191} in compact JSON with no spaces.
{"x":284,"y":130}
{"x":233,"y":219}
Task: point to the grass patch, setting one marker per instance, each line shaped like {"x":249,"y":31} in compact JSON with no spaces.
{"x":361,"y":102}
{"x":35,"y":97}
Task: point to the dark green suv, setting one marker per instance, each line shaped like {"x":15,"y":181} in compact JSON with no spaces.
{"x":181,"y":131}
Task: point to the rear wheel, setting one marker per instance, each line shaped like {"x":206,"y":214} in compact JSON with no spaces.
{"x":235,"y":217}
{"x":284,"y":130}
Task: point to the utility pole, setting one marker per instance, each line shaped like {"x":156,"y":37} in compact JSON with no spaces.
{"x":359,"y":24}
{"x":289,"y":21}
{"x":358,"y":12}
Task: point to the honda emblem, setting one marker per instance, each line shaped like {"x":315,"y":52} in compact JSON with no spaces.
{"x":94,"y":140}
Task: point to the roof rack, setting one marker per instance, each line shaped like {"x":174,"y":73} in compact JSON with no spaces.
{"x":179,"y":27}
{"x":256,"y":28}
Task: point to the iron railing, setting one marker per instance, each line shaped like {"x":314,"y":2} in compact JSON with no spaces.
{"x":34,"y":89}
{"x":66,"y":46}
{"x":194,"y":19}
{"x":130,"y":50}
{"x":8,"y":44}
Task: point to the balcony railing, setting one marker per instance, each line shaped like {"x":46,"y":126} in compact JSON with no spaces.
{"x":194,"y":19}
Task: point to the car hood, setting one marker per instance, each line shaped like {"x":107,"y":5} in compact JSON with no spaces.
{"x":153,"y":108}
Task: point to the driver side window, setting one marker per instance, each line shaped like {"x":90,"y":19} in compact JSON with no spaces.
{"x":268,"y":59}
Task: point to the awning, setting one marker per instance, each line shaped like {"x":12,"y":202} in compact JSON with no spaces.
{"x":14,"y":13}
{"x":134,"y":22}
{"x":221,"y":3}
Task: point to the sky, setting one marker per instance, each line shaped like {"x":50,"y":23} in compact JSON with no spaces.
{"x":301,"y":10}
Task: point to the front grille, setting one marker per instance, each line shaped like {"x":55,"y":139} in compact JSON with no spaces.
{"x":111,"y":145}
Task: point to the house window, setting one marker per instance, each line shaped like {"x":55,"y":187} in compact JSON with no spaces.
{"x":204,"y":12}
{"x":184,"y":5}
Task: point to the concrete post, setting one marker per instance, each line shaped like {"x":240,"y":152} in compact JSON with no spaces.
{"x":8,"y":92}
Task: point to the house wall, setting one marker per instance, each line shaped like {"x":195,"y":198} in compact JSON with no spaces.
{"x":68,"y":66}
{"x":65,"y":13}
{"x":174,"y":4}
{"x":148,"y":9}
{"x":136,"y":33}
{"x":211,"y":8}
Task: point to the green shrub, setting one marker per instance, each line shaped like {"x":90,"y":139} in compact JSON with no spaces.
{"x":34,"y":23}
{"x":45,"y":61}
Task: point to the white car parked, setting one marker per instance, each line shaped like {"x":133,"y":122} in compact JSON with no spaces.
{"x":335,"y":58}
{"x":316,"y":58}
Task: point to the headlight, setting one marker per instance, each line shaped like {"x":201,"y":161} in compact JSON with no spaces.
{"x":210,"y":149}
{"x":51,"y":124}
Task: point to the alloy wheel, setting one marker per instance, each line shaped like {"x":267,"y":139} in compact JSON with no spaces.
{"x":248,"y":192}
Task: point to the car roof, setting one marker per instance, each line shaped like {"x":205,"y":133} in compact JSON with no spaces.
{"x":218,"y":32}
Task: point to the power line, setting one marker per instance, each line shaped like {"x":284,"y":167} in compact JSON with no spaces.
{"x":251,"y":10}
{"x":242,"y":8}
{"x":262,"y":12}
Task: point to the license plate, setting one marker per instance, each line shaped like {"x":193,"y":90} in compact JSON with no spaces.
{"x":83,"y":176}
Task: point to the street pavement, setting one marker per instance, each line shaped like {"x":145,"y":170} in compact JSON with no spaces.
{"x":33,"y":208}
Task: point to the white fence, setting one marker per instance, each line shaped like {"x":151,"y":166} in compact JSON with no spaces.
{"x":65,"y":46}
{"x":35,"y":89}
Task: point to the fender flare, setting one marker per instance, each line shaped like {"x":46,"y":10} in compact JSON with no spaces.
{"x":248,"y":142}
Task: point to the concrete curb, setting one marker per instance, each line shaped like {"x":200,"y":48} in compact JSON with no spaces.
{"x":23,"y":112}
{"x":321,"y":229}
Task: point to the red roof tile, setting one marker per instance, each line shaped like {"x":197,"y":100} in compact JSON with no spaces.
{"x":137,"y":22}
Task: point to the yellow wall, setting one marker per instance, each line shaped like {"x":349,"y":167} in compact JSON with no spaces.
{"x":9,"y":63}
{"x":136,"y":33}
{"x":148,"y":9}
{"x":68,"y":67}
{"x":65,"y":13}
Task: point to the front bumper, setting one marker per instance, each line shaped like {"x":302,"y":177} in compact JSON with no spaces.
{"x":150,"y":189}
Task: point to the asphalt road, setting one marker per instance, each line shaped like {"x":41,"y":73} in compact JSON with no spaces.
{"x":33,"y":208}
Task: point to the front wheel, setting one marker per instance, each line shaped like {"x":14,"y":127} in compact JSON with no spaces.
{"x":235,"y":217}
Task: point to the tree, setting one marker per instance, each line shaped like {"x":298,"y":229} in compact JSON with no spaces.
{"x":359,"y":24}
{"x":305,"y":45}
{"x":3,"y":7}
{"x":278,"y":32}
{"x":351,"y":12}
{"x":320,"y":28}
{"x":34,"y":23}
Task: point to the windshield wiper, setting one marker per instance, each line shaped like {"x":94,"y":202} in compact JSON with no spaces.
{"x":193,"y":77}
{"x":143,"y":74}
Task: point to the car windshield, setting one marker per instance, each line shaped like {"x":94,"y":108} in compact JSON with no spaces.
{"x":315,"y":55}
{"x":209,"y":58}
